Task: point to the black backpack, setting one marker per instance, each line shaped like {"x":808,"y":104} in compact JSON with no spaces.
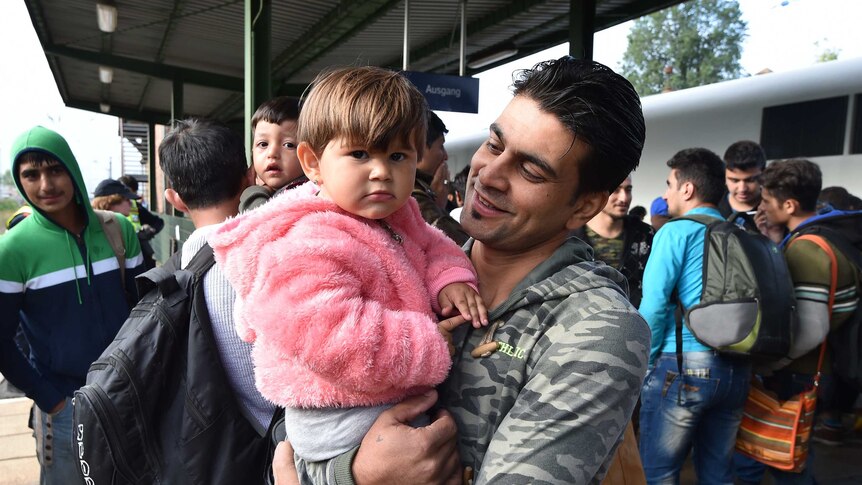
{"x":157,"y":406}
{"x":844,"y":231}
{"x":747,"y":305}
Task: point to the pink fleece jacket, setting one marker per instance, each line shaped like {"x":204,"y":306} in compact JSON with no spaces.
{"x":340,"y":313}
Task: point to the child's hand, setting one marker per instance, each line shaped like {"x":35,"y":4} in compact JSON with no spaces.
{"x":468,"y":303}
{"x":445,"y":328}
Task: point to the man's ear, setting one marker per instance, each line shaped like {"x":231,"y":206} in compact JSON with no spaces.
{"x":174,"y":198}
{"x":687,"y":190}
{"x":791,"y":207}
{"x":586,"y":207}
{"x":309,"y":161}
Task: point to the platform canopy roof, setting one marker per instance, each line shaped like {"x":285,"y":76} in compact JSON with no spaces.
{"x":200,"y":44}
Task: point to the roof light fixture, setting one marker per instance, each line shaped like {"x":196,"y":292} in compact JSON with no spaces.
{"x":106,"y":12}
{"x":104,"y":107}
{"x":106,"y":74}
{"x":489,"y":57}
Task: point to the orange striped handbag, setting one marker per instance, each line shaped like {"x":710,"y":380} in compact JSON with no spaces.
{"x":776,"y":432}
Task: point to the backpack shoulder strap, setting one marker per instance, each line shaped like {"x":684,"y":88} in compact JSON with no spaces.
{"x":833,"y":286}
{"x":202,"y":261}
{"x":114,"y":233}
{"x":699,"y":218}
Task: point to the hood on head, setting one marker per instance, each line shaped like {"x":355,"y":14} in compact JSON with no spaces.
{"x":41,"y":139}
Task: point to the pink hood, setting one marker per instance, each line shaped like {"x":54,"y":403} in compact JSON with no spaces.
{"x":340,"y":313}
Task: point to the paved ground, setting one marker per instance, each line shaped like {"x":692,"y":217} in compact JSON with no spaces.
{"x":18,"y":465}
{"x":834,"y":465}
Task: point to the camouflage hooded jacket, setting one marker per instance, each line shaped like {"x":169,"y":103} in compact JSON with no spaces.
{"x":551,"y":403}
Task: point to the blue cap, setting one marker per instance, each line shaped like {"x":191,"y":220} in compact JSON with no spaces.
{"x":658,"y":207}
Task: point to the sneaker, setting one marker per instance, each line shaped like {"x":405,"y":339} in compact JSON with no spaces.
{"x":828,"y":435}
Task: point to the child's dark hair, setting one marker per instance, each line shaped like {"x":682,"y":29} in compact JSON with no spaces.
{"x":276,"y":111}
{"x":204,"y":161}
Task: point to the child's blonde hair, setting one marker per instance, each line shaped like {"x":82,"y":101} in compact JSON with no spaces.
{"x":105,"y":202}
{"x":369,"y":106}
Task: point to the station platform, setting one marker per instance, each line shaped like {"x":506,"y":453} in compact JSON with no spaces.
{"x":834,"y":465}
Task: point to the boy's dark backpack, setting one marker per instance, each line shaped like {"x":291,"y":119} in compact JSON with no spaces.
{"x":157,"y":406}
{"x":843,"y":229}
{"x":747,"y":305}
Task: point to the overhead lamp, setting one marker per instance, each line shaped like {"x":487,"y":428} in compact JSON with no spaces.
{"x":104,"y":107}
{"x":106,"y":12}
{"x":489,"y":57}
{"x":106,"y":74}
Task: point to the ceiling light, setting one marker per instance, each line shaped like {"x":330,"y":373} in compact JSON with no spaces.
{"x":104,"y":107}
{"x":492,"y":57}
{"x":107,"y":14}
{"x":106,"y":74}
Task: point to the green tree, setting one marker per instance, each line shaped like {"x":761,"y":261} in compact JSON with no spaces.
{"x":694,"y":43}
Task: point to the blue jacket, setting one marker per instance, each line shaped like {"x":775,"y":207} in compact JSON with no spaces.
{"x":675,"y":263}
{"x":63,"y":288}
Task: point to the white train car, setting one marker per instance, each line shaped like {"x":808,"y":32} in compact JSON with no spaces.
{"x":814,"y":112}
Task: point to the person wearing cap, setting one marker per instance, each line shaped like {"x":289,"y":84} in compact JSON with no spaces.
{"x":658,"y":214}
{"x":60,"y":280}
{"x":111,"y":195}
{"x":146,"y":224}
{"x":18,"y":216}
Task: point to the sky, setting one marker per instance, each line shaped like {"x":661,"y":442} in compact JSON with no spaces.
{"x":782,"y":35}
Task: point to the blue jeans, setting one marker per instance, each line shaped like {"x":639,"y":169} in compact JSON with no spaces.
{"x":54,"y":446}
{"x":700,"y":410}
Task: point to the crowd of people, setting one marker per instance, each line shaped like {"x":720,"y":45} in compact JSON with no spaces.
{"x":515,"y":324}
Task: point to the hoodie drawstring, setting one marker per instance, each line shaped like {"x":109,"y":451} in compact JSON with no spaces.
{"x":74,"y":267}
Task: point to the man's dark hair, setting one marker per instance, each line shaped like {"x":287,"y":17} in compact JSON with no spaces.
{"x":638,"y":211}
{"x":276,"y":111}
{"x":436,"y":128}
{"x":837,"y":197}
{"x":797,"y":179}
{"x":129,"y":181}
{"x":204,"y":161}
{"x":600,"y":107}
{"x":459,"y":182}
{"x":703,"y":169}
{"x":745,"y":155}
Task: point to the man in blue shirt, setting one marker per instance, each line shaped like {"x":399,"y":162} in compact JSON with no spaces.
{"x":701,"y":407}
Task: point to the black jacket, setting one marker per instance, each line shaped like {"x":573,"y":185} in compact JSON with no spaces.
{"x":637,"y":243}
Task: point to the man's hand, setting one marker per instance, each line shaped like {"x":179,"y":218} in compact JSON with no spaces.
{"x":59,"y":407}
{"x":773,"y":232}
{"x":283,"y":467}
{"x":440,"y":185}
{"x":465,"y":299}
{"x":393,"y":452}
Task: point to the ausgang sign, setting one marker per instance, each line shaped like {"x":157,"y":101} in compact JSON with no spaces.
{"x":447,"y":93}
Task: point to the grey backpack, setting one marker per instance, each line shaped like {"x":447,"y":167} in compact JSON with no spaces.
{"x":747,"y":306}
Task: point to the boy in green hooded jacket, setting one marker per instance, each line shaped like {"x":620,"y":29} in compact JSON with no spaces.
{"x":60,"y":275}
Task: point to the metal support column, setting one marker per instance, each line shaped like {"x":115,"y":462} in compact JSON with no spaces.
{"x":582,"y":24}
{"x":177,"y":112}
{"x":154,"y":196}
{"x":406,"y":61}
{"x":462,"y":62}
{"x":258,"y":71}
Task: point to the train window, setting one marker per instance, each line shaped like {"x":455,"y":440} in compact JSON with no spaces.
{"x":809,"y":129}
{"x":856,"y":141}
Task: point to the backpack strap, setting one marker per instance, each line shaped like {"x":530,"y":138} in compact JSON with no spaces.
{"x":114,"y":233}
{"x":202,"y":261}
{"x":833,"y":286}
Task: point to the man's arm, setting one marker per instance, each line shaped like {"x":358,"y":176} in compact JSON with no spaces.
{"x":150,"y":219}
{"x":660,"y":278}
{"x":438,"y":218}
{"x":134,"y":259}
{"x":392,"y":452}
{"x":570,"y":415}
{"x":13,"y":364}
